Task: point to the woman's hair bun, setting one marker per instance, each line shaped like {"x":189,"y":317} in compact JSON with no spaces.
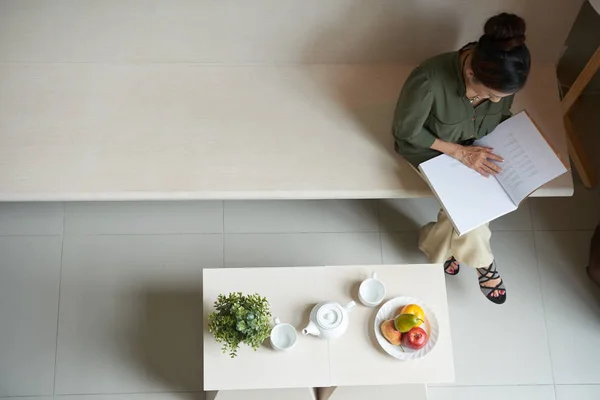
{"x":501,"y":59}
{"x":505,"y":31}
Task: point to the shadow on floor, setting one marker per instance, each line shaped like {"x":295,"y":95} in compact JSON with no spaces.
{"x":167,"y":340}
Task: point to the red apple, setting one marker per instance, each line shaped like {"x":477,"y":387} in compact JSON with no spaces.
{"x":415,"y":338}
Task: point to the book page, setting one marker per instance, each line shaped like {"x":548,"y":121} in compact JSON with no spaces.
{"x":529,"y":161}
{"x":470,"y":199}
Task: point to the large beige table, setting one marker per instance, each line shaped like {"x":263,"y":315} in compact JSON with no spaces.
{"x":176,"y":132}
{"x":182,"y":99}
{"x":355,"y":359}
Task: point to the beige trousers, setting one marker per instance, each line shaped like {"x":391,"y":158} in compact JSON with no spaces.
{"x":440,"y":241}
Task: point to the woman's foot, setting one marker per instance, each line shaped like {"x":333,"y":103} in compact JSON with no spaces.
{"x":451,"y":266}
{"x":491,"y":284}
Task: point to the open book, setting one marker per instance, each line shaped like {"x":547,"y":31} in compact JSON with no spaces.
{"x":470,"y":199}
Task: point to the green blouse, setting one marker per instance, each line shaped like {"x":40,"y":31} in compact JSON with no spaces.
{"x":433,"y":104}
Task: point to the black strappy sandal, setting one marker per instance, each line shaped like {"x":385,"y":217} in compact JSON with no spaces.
{"x":447,"y":265}
{"x":488,"y":274}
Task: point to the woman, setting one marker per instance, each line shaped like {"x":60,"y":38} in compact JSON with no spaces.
{"x":448,"y":102}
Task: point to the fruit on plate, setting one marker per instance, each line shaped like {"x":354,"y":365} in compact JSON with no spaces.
{"x":405,"y":322}
{"x":415,"y":338}
{"x":390,"y":333}
{"x":415,"y":310}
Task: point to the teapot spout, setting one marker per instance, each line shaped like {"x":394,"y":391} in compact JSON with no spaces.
{"x":349,"y":306}
{"x":311,"y":329}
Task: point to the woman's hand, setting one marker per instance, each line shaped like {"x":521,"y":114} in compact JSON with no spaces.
{"x":478,"y":158}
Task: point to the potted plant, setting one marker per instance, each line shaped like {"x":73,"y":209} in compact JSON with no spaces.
{"x":240,"y":318}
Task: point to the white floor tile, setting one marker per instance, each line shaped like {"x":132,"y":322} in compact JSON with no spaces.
{"x":501,"y":344}
{"x":572,"y":305}
{"x":29,"y":285}
{"x":402,"y":248}
{"x":545,"y":392}
{"x":407,"y":214}
{"x":301,"y":216}
{"x":131,"y":312}
{"x":28,"y":398}
{"x":31,"y":218}
{"x":411,"y":214}
{"x":140,"y":396}
{"x":577,"y":392}
{"x":408,"y":392}
{"x":580,"y":212}
{"x":144,"y":217}
{"x":307,"y":249}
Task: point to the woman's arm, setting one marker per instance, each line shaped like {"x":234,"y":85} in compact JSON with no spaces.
{"x":448,"y":148}
{"x":414,"y":104}
{"x":479,"y":158}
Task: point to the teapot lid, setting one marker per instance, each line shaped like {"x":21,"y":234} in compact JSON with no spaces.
{"x":330,"y":316}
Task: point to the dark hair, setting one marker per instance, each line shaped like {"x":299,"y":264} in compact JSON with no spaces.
{"x":501,"y":59}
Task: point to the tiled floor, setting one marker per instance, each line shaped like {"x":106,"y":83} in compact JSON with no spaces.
{"x":101,"y":301}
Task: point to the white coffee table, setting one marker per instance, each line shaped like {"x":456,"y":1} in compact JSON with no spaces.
{"x":355,"y":359}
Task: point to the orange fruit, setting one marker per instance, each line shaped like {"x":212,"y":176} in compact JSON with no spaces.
{"x":414,"y":310}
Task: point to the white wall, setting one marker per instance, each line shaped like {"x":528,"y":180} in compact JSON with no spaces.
{"x":263,"y":31}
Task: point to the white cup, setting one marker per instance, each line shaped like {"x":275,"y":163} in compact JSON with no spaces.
{"x":283,"y":335}
{"x":371,"y":291}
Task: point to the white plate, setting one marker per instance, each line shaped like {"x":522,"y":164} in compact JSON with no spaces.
{"x":431,"y":326}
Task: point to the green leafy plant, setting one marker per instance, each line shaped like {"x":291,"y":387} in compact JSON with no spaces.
{"x":240,"y":318}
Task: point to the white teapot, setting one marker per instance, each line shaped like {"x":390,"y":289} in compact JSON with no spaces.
{"x":328,"y":320}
